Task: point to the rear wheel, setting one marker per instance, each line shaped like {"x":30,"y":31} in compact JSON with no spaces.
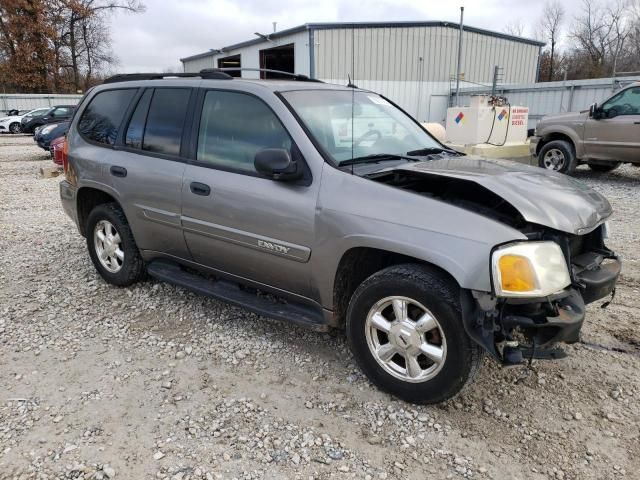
{"x":604,"y":167}
{"x":15,"y":127}
{"x":405,"y":331}
{"x":558,"y":156}
{"x":111,"y":245}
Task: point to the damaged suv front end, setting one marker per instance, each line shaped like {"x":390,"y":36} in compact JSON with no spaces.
{"x":540,"y":291}
{"x":526,"y":246}
{"x":539,"y":286}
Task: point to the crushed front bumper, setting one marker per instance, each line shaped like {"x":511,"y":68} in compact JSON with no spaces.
{"x":534,"y":325}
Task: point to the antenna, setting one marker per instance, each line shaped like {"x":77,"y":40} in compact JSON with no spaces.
{"x":353,"y":93}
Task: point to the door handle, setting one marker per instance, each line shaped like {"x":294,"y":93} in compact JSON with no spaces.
{"x":118,"y":171}
{"x":636,"y":123}
{"x":200,"y":189}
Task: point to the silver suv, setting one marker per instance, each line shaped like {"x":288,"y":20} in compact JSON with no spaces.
{"x":603,"y":137}
{"x":330,"y":207}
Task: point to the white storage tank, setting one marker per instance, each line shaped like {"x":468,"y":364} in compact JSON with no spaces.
{"x":487,"y":121}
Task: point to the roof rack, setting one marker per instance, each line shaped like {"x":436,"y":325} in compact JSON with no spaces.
{"x":295,"y":76}
{"x":207,"y":74}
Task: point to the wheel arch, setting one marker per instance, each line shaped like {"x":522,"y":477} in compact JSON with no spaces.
{"x":358,"y":263}
{"x":559,"y":135}
{"x":87,"y":199}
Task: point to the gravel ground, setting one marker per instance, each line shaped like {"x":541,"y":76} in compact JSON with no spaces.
{"x":155,"y":382}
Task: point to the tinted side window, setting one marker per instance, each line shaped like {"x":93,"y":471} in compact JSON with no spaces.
{"x":165,"y":120}
{"x":138,"y":120}
{"x":234,"y":126}
{"x":626,"y":103}
{"x":102,"y":117}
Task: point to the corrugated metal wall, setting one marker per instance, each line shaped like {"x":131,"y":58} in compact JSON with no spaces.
{"x":9,"y":101}
{"x":422,"y":54}
{"x":413,"y":66}
{"x":554,"y":97}
{"x":250,"y":55}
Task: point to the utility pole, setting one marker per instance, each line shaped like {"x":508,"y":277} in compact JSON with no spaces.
{"x":459,"y":57}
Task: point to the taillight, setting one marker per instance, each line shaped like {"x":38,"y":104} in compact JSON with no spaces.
{"x":65,"y":158}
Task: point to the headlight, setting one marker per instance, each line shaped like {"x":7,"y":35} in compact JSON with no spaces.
{"x":529,"y":269}
{"x":47,"y":129}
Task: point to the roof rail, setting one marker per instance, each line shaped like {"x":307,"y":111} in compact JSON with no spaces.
{"x":208,"y":74}
{"x":295,"y":76}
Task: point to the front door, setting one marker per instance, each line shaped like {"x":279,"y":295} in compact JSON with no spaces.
{"x":616,"y":136}
{"x":236,"y":220}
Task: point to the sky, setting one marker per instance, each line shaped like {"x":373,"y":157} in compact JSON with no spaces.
{"x":169,"y":30}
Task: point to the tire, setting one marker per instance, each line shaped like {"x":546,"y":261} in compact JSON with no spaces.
{"x":604,"y":167}
{"x":558,"y":156}
{"x":123,"y":264}
{"x":422,"y":288}
{"x":15,"y":128}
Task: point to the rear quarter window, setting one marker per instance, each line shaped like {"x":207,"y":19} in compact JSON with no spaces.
{"x":101,"y":120}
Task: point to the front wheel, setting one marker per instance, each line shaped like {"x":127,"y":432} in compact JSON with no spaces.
{"x":405,"y":330}
{"x":558,"y":156}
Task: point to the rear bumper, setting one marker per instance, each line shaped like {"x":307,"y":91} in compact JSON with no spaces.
{"x":68,"y":195}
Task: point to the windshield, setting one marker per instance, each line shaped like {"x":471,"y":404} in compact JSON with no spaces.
{"x":375,"y":128}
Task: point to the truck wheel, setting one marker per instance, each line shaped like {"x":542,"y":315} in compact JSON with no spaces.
{"x":405,"y":330}
{"x":111,"y":246}
{"x":15,"y":127}
{"x":558,"y":156}
{"x":604,"y":167}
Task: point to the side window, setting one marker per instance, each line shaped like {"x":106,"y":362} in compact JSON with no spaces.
{"x":135,"y":131}
{"x":165,"y":120}
{"x":102,"y":117}
{"x":233,"y":127}
{"x":625,"y":103}
{"x":62,"y":112}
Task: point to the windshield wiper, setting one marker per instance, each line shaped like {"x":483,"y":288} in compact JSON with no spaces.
{"x":431,"y":151}
{"x":376,"y":157}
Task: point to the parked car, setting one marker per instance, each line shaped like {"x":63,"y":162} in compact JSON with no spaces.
{"x":57,"y":150}
{"x":330,"y":207}
{"x":603,"y":137}
{"x":46,"y":133}
{"x":55,"y":114}
{"x":10,"y":124}
{"x":25,"y":117}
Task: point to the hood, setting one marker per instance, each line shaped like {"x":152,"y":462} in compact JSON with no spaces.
{"x":565,"y":117}
{"x":540,"y":196}
{"x":8,"y":119}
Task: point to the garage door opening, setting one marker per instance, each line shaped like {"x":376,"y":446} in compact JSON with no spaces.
{"x":277,"y":58}
{"x":230,"y":62}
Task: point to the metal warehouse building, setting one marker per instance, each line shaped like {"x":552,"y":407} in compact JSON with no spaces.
{"x":412,"y":63}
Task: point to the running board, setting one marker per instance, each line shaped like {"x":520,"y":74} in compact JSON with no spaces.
{"x":230,"y":292}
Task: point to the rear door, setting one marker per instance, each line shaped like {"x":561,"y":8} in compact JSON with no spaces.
{"x":616,"y":136}
{"x":235,"y":220}
{"x":145,"y":167}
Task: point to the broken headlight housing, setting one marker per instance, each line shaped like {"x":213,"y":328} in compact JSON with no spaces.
{"x":529,"y":269}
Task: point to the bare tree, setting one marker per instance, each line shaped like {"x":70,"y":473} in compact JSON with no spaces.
{"x":86,"y":36}
{"x":601,"y":33}
{"x":515,"y":28}
{"x":550,"y":25}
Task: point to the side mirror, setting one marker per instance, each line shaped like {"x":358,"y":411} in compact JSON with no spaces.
{"x":592,"y":109}
{"x":276,"y":163}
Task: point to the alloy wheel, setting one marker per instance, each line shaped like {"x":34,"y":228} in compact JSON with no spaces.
{"x":108,"y":246}
{"x":405,"y":339}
